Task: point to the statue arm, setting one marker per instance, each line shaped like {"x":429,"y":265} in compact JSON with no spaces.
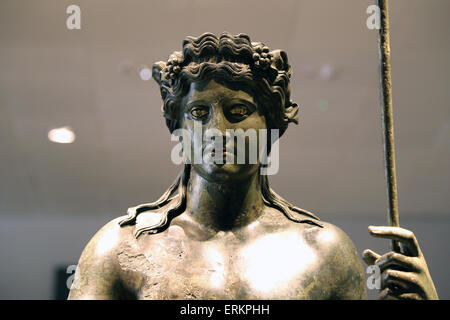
{"x":98,"y":273}
{"x":344,"y":265}
{"x":342,"y":272}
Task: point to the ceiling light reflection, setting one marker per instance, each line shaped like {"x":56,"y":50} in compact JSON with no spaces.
{"x":145,"y":73}
{"x":61,"y":135}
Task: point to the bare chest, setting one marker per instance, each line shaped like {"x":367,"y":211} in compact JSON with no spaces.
{"x":274,"y":266}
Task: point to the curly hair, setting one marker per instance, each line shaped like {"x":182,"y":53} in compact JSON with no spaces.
{"x":231,"y":59}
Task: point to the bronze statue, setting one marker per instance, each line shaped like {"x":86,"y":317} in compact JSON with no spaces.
{"x":220,"y":231}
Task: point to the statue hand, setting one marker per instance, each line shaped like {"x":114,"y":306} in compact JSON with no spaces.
{"x":404,"y":275}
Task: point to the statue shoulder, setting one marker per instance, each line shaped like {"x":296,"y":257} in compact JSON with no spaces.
{"x":340,"y":259}
{"x":327,"y":237}
{"x":106,"y":242}
{"x":98,"y":269}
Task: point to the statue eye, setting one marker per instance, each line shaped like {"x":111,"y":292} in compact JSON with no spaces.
{"x":199,"y":112}
{"x":240,"y":111}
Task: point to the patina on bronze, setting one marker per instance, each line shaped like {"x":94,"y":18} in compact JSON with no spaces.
{"x":220,"y":231}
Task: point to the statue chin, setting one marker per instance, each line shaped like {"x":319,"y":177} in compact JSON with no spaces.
{"x":226,"y":172}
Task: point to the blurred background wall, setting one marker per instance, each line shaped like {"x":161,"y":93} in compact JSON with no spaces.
{"x":54,"y":197}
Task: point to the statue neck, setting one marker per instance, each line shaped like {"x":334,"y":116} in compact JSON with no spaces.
{"x":224,"y":206}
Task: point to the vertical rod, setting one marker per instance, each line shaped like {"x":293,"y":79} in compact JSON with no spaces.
{"x":388,"y":116}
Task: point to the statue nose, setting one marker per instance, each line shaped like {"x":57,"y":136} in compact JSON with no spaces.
{"x":219,"y":125}
{"x":219,"y":121}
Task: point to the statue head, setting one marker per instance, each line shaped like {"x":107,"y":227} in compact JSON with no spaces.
{"x":230,"y":60}
{"x":224,"y":82}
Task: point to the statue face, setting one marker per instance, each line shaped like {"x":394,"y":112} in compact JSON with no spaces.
{"x":216,"y":108}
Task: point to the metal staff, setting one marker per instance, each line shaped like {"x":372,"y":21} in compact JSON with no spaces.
{"x":387,"y":116}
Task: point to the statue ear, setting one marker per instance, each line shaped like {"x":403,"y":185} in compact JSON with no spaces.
{"x":156,"y":71}
{"x":291,"y":113}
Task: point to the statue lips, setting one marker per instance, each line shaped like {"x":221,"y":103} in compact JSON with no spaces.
{"x":224,"y":155}
{"x":226,"y":152}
